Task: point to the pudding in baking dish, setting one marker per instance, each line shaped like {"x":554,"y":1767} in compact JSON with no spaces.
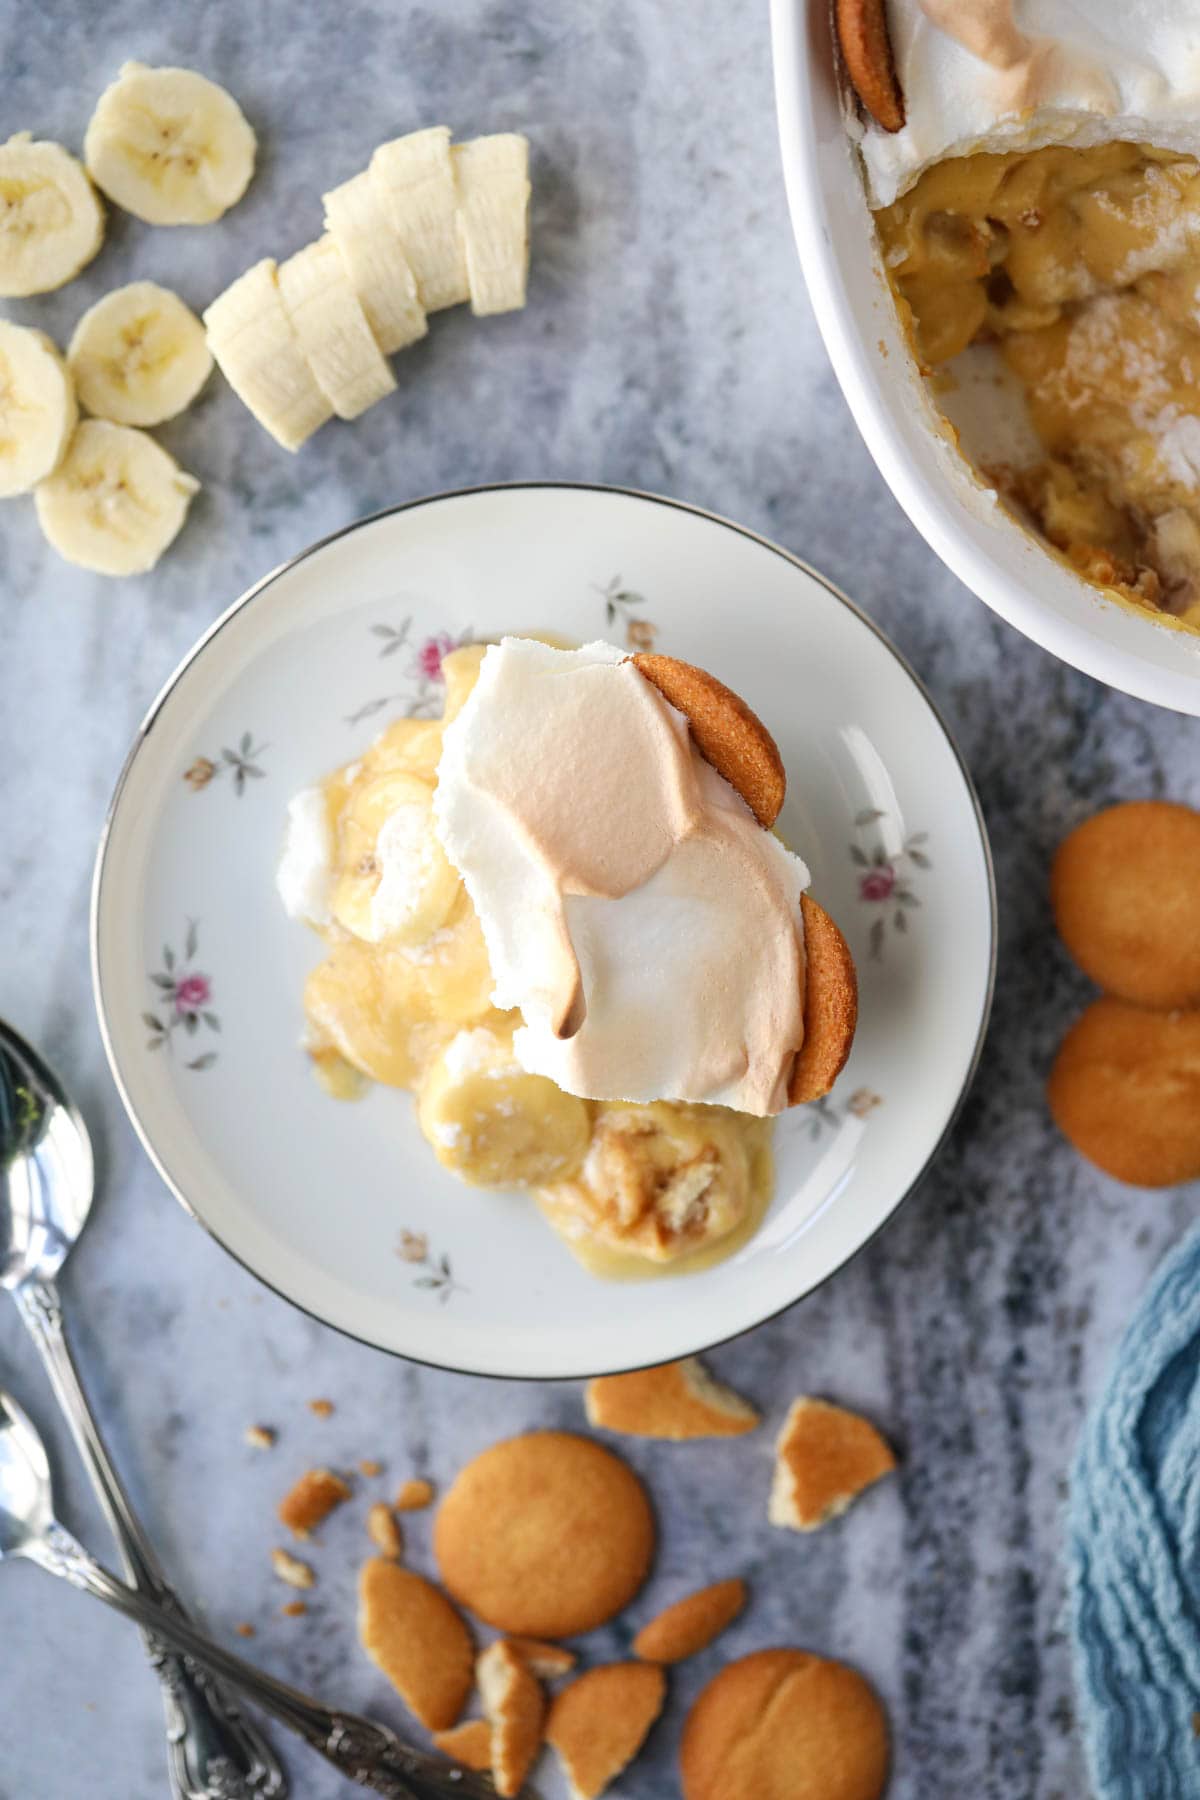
{"x":1030,"y":172}
{"x":559,"y":917}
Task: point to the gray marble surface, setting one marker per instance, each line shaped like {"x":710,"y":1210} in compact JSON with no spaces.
{"x":667,"y":344}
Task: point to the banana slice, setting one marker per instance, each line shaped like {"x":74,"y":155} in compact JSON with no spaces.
{"x":492,"y":1123}
{"x":492,"y":174}
{"x":356,"y":215}
{"x":37,"y":408}
{"x":416,"y":177}
{"x":394,"y":882}
{"x":116,"y":500}
{"x":251,"y":337}
{"x":51,"y":222}
{"x":139,"y":356}
{"x":169,"y":146}
{"x":332,"y":329}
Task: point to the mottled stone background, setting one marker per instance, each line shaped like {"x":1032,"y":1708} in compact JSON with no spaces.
{"x":668,"y":344}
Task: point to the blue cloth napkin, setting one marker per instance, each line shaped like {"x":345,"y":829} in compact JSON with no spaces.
{"x":1133,"y":1550}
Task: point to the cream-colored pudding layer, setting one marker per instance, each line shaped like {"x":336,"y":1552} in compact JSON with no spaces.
{"x":643,"y":923}
{"x":1000,"y":75}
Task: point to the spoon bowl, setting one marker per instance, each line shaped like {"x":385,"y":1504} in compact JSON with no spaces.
{"x":47,"y":1174}
{"x":26,"y":1497}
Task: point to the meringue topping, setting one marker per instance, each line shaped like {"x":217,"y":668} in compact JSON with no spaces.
{"x":644,"y":924}
{"x":996,"y":75}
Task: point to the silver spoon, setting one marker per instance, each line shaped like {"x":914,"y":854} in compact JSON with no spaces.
{"x":357,"y":1747}
{"x":46,"y":1189}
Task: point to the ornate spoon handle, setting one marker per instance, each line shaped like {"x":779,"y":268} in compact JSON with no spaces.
{"x":359,"y":1748}
{"x":213,"y":1752}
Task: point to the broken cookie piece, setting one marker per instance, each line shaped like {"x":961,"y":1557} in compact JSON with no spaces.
{"x":516,"y":1708}
{"x":824,"y":1457}
{"x":469,"y":1744}
{"x":691,"y":1624}
{"x":599,"y":1723}
{"x":676,"y":1400}
{"x":410,"y":1630}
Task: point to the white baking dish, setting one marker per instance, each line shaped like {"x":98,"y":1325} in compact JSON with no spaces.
{"x":954,"y":511}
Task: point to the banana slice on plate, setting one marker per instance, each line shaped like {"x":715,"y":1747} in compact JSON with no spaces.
{"x":51,"y":222}
{"x":416,"y":178}
{"x":116,"y":500}
{"x":332,"y":329}
{"x":394,"y":882}
{"x":492,"y":175}
{"x":37,"y":408}
{"x":139,"y":356}
{"x":493,"y":1123}
{"x":169,"y":146}
{"x":356,"y":216}
{"x":258,"y":352}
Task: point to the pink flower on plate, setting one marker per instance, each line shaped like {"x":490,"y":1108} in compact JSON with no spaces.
{"x":878,"y":883}
{"x":191,"y":993}
{"x":429,"y":656}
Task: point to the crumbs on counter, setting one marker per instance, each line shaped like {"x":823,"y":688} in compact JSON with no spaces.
{"x":384,"y":1532}
{"x":413,"y":1495}
{"x":311,"y":1500}
{"x":289,"y":1568}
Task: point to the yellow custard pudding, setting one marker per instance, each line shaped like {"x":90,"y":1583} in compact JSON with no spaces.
{"x":1083,"y":267}
{"x":1032,"y":171}
{"x":552,"y":920}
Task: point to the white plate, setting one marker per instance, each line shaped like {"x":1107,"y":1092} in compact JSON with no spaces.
{"x":342,"y":1208}
{"x":957,"y":515}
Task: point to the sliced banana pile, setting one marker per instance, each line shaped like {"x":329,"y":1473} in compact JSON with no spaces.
{"x":108,"y":497}
{"x":426,"y":225}
{"x":172,"y":148}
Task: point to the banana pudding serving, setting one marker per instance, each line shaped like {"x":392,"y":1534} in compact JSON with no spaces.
{"x":1032,"y":169}
{"x":560,"y":917}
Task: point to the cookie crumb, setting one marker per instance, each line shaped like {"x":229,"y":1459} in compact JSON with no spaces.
{"x":259,"y":1437}
{"x":289,"y":1568}
{"x":294,"y":1609}
{"x":384,"y":1532}
{"x":311,"y":1500}
{"x":370,"y":1468}
{"x":322,"y":1408}
{"x":244,"y":1630}
{"x":413,"y":1496}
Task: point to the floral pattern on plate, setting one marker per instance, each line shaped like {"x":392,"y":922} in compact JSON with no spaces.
{"x":885,"y":880}
{"x":438,"y":1277}
{"x":241,"y":763}
{"x":183,"y":1001}
{"x":619,"y":600}
{"x":422,"y":699}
